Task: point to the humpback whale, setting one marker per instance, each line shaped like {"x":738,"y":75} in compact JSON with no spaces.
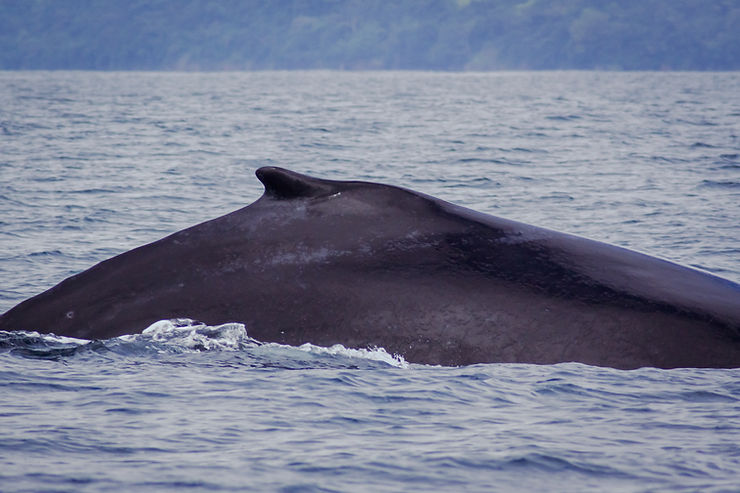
{"x":366,"y":264}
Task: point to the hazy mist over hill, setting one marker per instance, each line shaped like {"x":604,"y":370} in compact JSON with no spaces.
{"x":370,"y":34}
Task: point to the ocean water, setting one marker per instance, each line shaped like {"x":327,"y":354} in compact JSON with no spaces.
{"x":94,"y":164}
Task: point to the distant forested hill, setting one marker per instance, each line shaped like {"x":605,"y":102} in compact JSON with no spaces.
{"x":370,"y":34}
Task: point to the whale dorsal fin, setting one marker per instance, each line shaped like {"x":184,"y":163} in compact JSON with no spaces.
{"x":285,"y":184}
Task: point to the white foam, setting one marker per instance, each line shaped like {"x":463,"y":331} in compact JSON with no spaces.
{"x":375,"y":354}
{"x":196,"y":336}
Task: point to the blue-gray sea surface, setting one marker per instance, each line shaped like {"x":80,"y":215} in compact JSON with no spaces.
{"x":94,"y":164}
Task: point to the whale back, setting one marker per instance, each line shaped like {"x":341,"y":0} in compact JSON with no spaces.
{"x":367,"y":264}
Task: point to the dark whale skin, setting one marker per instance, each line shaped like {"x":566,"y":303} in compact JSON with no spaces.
{"x":365,"y":264}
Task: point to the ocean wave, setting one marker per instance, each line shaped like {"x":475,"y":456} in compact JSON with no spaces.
{"x":720,"y":183}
